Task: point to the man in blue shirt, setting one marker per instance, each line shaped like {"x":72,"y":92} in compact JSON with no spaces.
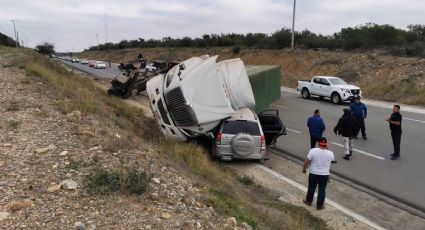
{"x":359,"y":111}
{"x":316,"y":127}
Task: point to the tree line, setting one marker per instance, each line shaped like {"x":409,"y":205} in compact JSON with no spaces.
{"x":7,"y":41}
{"x":410,"y":42}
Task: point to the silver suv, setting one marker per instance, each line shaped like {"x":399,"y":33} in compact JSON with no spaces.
{"x":242,"y":136}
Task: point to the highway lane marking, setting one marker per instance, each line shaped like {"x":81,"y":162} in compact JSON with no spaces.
{"x":293,"y":130}
{"x":360,"y":151}
{"x":315,"y":102}
{"x":328,"y":201}
{"x":280,"y":106}
{"x":410,"y":119}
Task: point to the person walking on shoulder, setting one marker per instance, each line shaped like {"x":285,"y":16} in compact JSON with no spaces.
{"x":316,"y":127}
{"x":348,"y":127}
{"x":395,"y":126}
{"x":359,"y":111}
{"x":319,"y":162}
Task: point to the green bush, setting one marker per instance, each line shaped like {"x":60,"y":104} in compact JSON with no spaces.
{"x":236,"y":50}
{"x":415,"y":48}
{"x":104,"y":182}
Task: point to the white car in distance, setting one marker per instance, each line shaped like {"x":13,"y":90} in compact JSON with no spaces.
{"x":99,"y":65}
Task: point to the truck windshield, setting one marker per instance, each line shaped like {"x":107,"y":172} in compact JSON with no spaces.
{"x":337,"y":81}
{"x":235,"y":127}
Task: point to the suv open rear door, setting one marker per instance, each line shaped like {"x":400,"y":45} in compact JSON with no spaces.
{"x":272,"y":126}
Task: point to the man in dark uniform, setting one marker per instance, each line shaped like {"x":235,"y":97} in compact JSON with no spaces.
{"x":395,"y":126}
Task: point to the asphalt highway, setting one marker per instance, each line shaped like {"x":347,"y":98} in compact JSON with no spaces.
{"x":101,"y":73}
{"x":371,"y":166}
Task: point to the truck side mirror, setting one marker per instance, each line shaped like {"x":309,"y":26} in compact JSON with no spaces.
{"x":182,"y":67}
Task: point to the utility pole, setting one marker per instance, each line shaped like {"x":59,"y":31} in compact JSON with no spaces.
{"x":106,"y":30}
{"x":97,"y":41}
{"x":17,"y":38}
{"x":293,"y":26}
{"x":106,"y":43}
{"x":14,"y":28}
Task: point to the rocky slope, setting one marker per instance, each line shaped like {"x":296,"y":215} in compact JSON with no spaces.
{"x":45,"y":152}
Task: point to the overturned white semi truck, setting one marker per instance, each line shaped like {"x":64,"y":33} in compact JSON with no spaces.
{"x":195,"y":96}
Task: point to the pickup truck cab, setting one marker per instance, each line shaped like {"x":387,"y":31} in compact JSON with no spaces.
{"x":327,"y":86}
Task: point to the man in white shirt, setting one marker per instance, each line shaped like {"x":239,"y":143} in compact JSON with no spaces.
{"x":319,"y":159}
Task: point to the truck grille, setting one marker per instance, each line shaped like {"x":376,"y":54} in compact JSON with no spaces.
{"x":182,"y":113}
{"x":162,"y":112}
{"x":355,"y":91}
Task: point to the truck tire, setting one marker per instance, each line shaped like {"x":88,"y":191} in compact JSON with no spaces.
{"x":335,"y":98}
{"x":243,"y":144}
{"x":305,"y":93}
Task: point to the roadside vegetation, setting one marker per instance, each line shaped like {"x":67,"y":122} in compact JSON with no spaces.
{"x":6,"y":40}
{"x":399,"y":42}
{"x":381,"y":77}
{"x":222,"y":189}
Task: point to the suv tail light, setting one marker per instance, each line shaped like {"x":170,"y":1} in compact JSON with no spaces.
{"x":218,"y":143}
{"x":263,"y":144}
{"x":218,"y":138}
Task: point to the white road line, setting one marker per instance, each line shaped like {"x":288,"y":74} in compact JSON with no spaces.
{"x":409,"y":119}
{"x":360,"y":151}
{"x":329,"y":201}
{"x":280,"y":106}
{"x":315,"y":102}
{"x":293,"y":130}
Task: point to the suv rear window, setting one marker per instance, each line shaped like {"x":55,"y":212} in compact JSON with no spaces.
{"x":235,"y":127}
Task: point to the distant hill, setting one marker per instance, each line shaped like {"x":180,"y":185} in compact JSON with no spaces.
{"x":6,"y":40}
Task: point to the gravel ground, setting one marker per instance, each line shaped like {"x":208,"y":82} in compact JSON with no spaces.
{"x":44,"y":154}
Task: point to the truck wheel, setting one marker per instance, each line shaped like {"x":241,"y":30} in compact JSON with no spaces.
{"x":305,"y":93}
{"x":336,"y":99}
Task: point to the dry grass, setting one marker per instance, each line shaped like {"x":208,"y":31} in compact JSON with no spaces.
{"x":245,"y":201}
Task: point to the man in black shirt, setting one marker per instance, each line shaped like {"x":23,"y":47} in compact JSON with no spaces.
{"x":395,"y":126}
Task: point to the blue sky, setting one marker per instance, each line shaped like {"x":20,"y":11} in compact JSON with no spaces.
{"x":73,"y":25}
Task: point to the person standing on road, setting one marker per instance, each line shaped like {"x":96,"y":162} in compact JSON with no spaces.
{"x":395,"y":126}
{"x":359,"y":111}
{"x":348,"y":127}
{"x":316,"y":127}
{"x":319,"y":160}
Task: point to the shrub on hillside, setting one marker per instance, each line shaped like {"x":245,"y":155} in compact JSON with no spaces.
{"x":415,"y":48}
{"x":104,"y":182}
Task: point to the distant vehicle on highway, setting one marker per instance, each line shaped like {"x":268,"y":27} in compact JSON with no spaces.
{"x":84,"y":62}
{"x":91,"y":63}
{"x":99,"y":65}
{"x":150,"y":67}
{"x":75,"y":60}
{"x":330,"y":87}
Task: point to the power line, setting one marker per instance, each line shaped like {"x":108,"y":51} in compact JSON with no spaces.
{"x":16,"y":33}
{"x":97,"y":41}
{"x":106,"y":30}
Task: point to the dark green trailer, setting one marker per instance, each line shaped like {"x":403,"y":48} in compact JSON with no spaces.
{"x":265,"y":83}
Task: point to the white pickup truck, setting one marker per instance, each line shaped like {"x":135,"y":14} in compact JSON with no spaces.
{"x":327,"y":86}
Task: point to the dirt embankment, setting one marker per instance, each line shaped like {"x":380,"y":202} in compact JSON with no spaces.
{"x":381,"y":77}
